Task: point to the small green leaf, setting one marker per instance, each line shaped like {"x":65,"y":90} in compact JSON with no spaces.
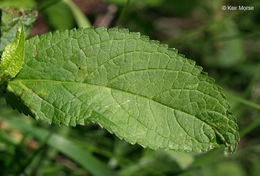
{"x":13,"y":56}
{"x":134,"y":87}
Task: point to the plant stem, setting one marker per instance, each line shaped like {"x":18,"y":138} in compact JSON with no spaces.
{"x":243,"y":101}
{"x":81,"y":19}
{"x":123,"y":12}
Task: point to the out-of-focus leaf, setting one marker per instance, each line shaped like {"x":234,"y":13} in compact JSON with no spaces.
{"x":183,"y":7}
{"x":65,"y":146}
{"x":180,"y":8}
{"x":143,"y":3}
{"x":153,"y":163}
{"x":59,"y":16}
{"x":184,"y":160}
{"x":221,"y":168}
{"x":10,"y":22}
{"x":225,"y":53}
{"x":252,"y":69}
{"x":17,"y":4}
{"x":117,"y":2}
{"x":228,"y":168}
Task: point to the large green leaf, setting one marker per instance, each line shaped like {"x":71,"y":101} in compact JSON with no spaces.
{"x":138,"y":89}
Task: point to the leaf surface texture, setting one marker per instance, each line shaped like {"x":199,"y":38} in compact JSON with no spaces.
{"x":134,"y":87}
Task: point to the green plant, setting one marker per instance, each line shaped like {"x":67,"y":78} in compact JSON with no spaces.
{"x":136,"y":88}
{"x":224,"y":43}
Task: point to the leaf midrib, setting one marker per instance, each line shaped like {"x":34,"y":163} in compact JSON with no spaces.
{"x":109,"y":88}
{"x":113,"y":122}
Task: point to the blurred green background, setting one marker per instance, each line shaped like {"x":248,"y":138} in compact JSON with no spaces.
{"x":226,"y":43}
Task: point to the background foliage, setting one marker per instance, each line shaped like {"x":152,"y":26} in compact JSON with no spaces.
{"x":225,"y":43}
